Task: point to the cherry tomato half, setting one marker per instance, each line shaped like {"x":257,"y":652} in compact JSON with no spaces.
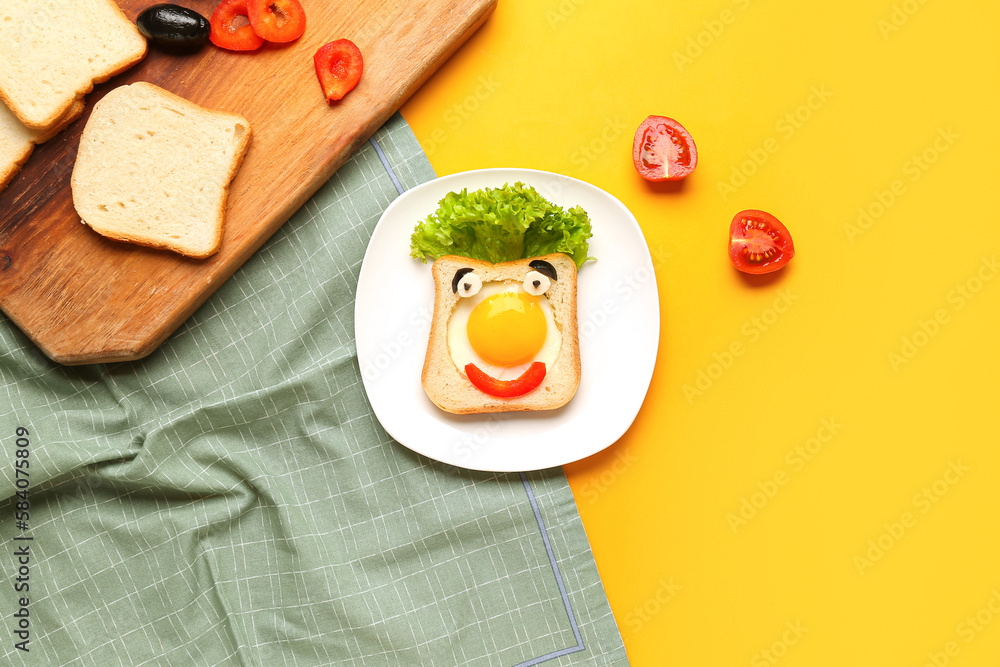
{"x":225,"y":34}
{"x":759,"y":243}
{"x":338,"y":66}
{"x":663,"y":150}
{"x":519,"y":386}
{"x":277,"y":20}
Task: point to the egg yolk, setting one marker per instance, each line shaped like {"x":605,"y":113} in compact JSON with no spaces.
{"x":507,"y":329}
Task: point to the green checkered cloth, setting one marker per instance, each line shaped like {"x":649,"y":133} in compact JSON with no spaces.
{"x":232,"y":500}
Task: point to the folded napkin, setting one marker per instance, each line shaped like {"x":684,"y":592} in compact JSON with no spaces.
{"x":232,"y":500}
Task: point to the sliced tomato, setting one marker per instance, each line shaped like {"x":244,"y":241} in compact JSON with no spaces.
{"x":758,"y":242}
{"x":663,"y":150}
{"x":277,"y":20}
{"x":519,"y":386}
{"x":338,"y":66}
{"x":231,"y":27}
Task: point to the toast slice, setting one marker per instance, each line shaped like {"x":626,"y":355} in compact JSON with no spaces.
{"x":449,"y":387}
{"x":17,"y":141}
{"x":154,"y":169}
{"x":54,"y":51}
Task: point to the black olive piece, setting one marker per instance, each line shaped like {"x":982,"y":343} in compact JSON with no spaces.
{"x":536,"y":283}
{"x":458,"y":277}
{"x":173,"y":28}
{"x":543,"y":268}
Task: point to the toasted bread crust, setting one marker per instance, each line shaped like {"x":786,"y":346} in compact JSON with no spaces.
{"x":448,"y":387}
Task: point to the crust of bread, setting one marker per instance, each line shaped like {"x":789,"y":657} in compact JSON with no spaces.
{"x":38,"y":27}
{"x":106,"y":143}
{"x":17,"y":142}
{"x":448,"y":387}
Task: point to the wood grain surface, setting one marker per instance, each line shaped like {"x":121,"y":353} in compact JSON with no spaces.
{"x":86,"y":299}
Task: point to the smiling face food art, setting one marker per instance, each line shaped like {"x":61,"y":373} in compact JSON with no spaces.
{"x":504,"y":333}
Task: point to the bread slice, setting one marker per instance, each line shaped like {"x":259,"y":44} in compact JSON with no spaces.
{"x":449,"y":388}
{"x":54,"y":51}
{"x":17,"y":141}
{"x":154,"y":169}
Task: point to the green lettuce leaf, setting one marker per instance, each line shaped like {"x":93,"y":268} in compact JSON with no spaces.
{"x":501,"y":225}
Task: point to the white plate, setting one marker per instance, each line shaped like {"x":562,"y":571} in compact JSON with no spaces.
{"x":619,"y":322}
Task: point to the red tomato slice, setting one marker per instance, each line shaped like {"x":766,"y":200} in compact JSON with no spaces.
{"x":663,"y":150}
{"x":519,"y":386}
{"x":224,"y":32}
{"x":277,"y":20}
{"x":759,"y":243}
{"x":338,"y":66}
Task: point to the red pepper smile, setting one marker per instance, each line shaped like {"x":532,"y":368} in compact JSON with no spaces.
{"x":519,"y":386}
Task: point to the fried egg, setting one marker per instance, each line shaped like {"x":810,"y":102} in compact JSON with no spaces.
{"x":502,"y":330}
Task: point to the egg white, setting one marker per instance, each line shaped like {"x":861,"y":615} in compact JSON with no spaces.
{"x":461,"y":349}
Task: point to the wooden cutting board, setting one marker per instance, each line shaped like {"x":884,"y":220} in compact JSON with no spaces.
{"x":86,"y":299}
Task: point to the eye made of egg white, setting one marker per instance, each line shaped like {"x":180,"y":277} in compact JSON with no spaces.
{"x":466,"y":283}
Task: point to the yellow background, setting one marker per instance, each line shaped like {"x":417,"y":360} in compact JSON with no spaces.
{"x":882,"y":547}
